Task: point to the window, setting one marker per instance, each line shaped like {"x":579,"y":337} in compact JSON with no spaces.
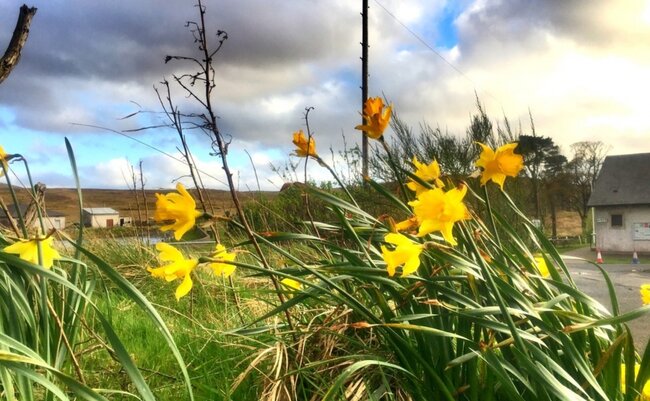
{"x":617,"y":221}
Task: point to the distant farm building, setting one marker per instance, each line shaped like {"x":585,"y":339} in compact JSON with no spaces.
{"x":103,"y":217}
{"x":621,"y":202}
{"x":51,"y":218}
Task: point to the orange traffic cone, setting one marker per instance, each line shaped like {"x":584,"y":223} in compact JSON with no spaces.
{"x":599,"y":257}
{"x":635,"y":258}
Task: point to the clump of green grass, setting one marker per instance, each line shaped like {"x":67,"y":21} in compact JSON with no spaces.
{"x":202,"y":324}
{"x":480,"y":319}
{"x":50,"y":307}
{"x":213,"y":358}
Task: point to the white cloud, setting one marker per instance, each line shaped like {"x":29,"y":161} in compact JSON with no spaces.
{"x":580,"y":70}
{"x":408,"y":12}
{"x":519,"y":56}
{"x":113,"y":173}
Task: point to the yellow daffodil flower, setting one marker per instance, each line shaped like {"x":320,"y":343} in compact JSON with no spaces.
{"x":179,"y":207}
{"x":304,"y":148}
{"x":437,"y":210}
{"x":291,"y":285}
{"x":645,"y":294}
{"x":427,"y":173}
{"x":406,"y":253}
{"x":28,"y":250}
{"x":500,"y":164}
{"x":178,"y":267}
{"x":407,"y":224}
{"x":221,"y":268}
{"x":645,"y":392}
{"x":3,"y":160}
{"x":541,"y":266}
{"x":376,"y":118}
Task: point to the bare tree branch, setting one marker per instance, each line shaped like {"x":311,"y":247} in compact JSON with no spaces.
{"x":18,"y":39}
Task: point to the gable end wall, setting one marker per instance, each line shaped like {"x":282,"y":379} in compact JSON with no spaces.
{"x":612,"y":239}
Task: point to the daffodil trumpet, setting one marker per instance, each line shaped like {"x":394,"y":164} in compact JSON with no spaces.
{"x":376,"y":118}
{"x":425,"y":176}
{"x":437,"y":210}
{"x":178,"y":208}
{"x":305,"y":146}
{"x":499,"y":164}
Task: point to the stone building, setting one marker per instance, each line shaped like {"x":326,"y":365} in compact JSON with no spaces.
{"x":621,"y":204}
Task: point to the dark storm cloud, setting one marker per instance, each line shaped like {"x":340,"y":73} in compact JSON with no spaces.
{"x":286,"y":32}
{"x":128,"y":40}
{"x":25,"y":93}
{"x":107,"y":40}
{"x":76,"y":48}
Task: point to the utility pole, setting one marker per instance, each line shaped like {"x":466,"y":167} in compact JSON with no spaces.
{"x":364,"y":85}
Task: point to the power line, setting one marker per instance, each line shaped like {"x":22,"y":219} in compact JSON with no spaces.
{"x":150,"y":147}
{"x":431,"y":48}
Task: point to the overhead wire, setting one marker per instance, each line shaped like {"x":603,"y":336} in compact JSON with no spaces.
{"x":437,"y":53}
{"x":150,"y":147}
{"x":388,"y":12}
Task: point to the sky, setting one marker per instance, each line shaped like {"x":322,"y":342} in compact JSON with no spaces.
{"x":579,"y":67}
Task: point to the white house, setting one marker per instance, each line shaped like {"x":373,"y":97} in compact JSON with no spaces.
{"x":621,"y":204}
{"x":51,"y":218}
{"x":103,"y":217}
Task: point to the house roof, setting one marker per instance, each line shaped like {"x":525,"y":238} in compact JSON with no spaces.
{"x":100,"y":210}
{"x":23,"y":209}
{"x":623,"y":180}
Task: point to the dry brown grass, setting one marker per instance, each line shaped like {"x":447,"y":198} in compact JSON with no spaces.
{"x":64,"y":200}
{"x":568,"y":224}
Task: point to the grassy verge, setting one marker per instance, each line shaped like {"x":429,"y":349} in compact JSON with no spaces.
{"x":570,"y":247}
{"x":608,"y":259}
{"x":198,"y":323}
{"x":213,"y":358}
{"x":617,"y":259}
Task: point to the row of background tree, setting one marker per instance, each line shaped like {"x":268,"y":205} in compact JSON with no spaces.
{"x":551,"y":181}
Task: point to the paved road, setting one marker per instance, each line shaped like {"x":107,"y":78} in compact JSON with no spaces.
{"x":627,"y":279}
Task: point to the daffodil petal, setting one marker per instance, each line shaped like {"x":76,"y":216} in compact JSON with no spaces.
{"x":376,"y":118}
{"x":447,"y":233}
{"x":292,"y":284}
{"x":411,"y":266}
{"x":428,"y":226}
{"x":178,"y":207}
{"x":499,"y":164}
{"x":17,"y":247}
{"x":397,"y":239}
{"x":28,"y":251}
{"x":645,"y":294}
{"x":168,"y":252}
{"x":184,"y":288}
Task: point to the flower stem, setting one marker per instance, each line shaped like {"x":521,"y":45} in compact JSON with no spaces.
{"x":15,"y":200}
{"x":393,"y":166}
{"x":336,"y":177}
{"x":305,"y":194}
{"x":490,"y":216}
{"x":222,"y":147}
{"x":37,"y":202}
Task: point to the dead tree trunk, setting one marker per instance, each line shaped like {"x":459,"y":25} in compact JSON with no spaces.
{"x":18,"y":39}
